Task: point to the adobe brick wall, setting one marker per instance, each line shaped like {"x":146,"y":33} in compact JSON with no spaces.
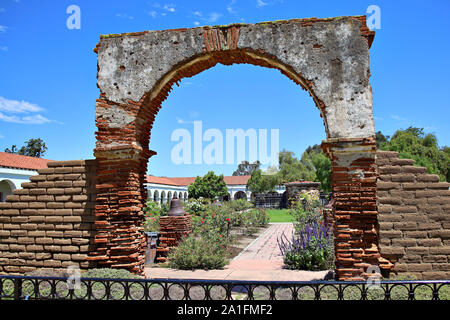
{"x":414,"y":218}
{"x":50,"y":222}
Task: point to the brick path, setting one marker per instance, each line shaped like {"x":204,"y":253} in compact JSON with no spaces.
{"x":261,"y":260}
{"x":263,"y":253}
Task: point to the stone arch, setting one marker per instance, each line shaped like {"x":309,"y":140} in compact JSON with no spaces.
{"x":240,"y":195}
{"x":7,"y":188}
{"x":327,"y":57}
{"x":156,"y":195}
{"x":149,"y":194}
{"x":163,"y":197}
{"x":185,"y":196}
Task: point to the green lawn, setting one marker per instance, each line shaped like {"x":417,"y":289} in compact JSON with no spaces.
{"x":279,"y":215}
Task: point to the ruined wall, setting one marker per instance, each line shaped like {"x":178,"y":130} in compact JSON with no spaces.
{"x":414,"y":218}
{"x":50,"y":222}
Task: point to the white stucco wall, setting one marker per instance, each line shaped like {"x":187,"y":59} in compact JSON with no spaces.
{"x":11,"y":179}
{"x":163,"y":191}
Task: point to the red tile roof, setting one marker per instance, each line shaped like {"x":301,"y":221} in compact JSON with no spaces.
{"x":185,"y":181}
{"x":22,"y":162}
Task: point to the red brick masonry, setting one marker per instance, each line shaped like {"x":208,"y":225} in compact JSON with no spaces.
{"x":172,"y":230}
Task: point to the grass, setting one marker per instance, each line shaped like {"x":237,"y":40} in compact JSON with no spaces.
{"x":279,"y":215}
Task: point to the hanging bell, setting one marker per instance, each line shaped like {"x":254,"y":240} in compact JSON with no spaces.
{"x":176,"y":209}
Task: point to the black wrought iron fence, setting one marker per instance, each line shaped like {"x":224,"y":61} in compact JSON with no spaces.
{"x":35,"y":288}
{"x":270,"y":200}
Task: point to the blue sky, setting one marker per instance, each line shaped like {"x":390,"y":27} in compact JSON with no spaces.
{"x":48,"y":74}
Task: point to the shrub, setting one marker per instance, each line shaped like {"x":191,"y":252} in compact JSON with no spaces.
{"x":307,"y":210}
{"x":252,"y":219}
{"x":194,"y":207}
{"x":152,"y":212}
{"x":206,"y":252}
{"x":311,"y":246}
{"x":309,"y":249}
{"x":214,"y":221}
{"x":237,"y":205}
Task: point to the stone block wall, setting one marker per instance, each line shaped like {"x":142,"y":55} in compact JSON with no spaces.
{"x":295,"y":189}
{"x":50,"y":222}
{"x":414,"y":218}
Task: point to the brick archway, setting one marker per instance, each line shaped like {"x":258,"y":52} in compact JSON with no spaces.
{"x":327,"y":57}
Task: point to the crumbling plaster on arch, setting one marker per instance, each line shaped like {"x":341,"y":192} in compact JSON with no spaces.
{"x":331,"y":55}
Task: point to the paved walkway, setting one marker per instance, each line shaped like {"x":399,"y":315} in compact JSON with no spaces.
{"x":261,"y":260}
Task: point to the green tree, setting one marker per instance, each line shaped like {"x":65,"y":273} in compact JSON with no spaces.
{"x":33,"y":148}
{"x":246,"y":168}
{"x":209,"y":186}
{"x":381,"y":139}
{"x":322,"y":165}
{"x":13,"y":149}
{"x":414,"y":143}
{"x":314,"y":165}
{"x":293,"y":169}
{"x":260,"y":183}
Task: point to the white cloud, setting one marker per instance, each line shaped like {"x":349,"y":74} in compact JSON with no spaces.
{"x":35,"y":119}
{"x":9,"y":110}
{"x":124,"y":15}
{"x":261,"y":4}
{"x":230,"y":8}
{"x":398,"y":118}
{"x":210,"y":18}
{"x":153,"y":13}
{"x":3,"y":28}
{"x":4,"y":48}
{"x":1,"y":136}
{"x":182,"y":121}
{"x":213,"y":17}
{"x":193,"y":114}
{"x":169,"y":7}
{"x":14,"y":106}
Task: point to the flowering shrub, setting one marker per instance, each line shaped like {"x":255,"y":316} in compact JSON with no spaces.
{"x":206,"y":246}
{"x":237,"y":205}
{"x":152,"y":212}
{"x":194,"y":207}
{"x":309,"y":249}
{"x":307,"y":210}
{"x":311,"y":245}
{"x":252,"y":219}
